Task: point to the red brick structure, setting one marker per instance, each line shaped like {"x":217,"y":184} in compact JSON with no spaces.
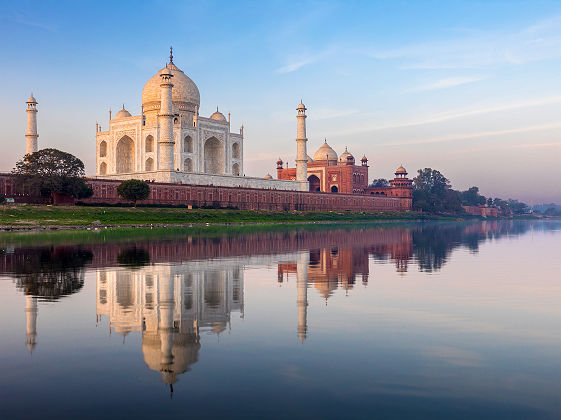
{"x":329,"y":173}
{"x":400,"y":186}
{"x":105,"y":192}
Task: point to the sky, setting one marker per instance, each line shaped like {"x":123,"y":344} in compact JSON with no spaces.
{"x":471,"y":88}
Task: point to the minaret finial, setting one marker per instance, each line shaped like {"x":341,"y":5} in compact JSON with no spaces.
{"x":216,"y":108}
{"x":171,"y":55}
{"x":123,"y":106}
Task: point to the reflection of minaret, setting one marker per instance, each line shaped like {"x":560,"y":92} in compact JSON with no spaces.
{"x":302,"y":299}
{"x":165,"y":328}
{"x":31,"y":324}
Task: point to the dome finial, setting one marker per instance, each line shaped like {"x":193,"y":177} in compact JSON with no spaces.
{"x":123,"y":106}
{"x":171,"y":55}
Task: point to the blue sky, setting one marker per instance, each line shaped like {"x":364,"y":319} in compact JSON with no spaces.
{"x":470,"y":88}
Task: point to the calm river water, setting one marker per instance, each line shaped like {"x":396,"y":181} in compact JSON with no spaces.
{"x":434,"y":320}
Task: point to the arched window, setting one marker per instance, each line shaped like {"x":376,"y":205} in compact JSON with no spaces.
{"x":314,"y":183}
{"x":236,"y":150}
{"x":149,"y":144}
{"x":188,"y":144}
{"x":236,"y":169}
{"x":125,"y":155}
{"x":102,"y":149}
{"x":103,"y":168}
{"x":334,"y":189}
{"x":188,"y":165}
{"x":214,"y":156}
{"x":149,"y":166}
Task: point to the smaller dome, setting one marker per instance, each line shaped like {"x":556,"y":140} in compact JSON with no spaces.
{"x":218,"y":116}
{"x":279,"y":162}
{"x":325,"y":152}
{"x":123,"y":113}
{"x":301,"y":106}
{"x":31,"y":100}
{"x":268,"y":176}
{"x":346,"y":157}
{"x":401,"y":170}
{"x":364,"y":159}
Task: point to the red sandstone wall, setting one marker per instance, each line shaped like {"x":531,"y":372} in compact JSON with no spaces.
{"x":105,"y":192}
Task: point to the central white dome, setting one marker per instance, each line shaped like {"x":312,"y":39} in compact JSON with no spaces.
{"x":184,"y":94}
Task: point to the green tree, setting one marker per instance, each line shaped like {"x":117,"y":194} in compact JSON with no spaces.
{"x":51,"y":171}
{"x":432,"y":193}
{"x":380,"y":182}
{"x":133,"y":190}
{"x":471,"y":197}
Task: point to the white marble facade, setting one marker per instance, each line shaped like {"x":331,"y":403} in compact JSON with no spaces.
{"x":202,"y":145}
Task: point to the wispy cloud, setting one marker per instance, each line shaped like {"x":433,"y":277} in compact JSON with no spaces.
{"x":481,"y":49}
{"x":297,"y":62}
{"x":446,"y":83}
{"x":452,"y":115}
{"x":21,"y":19}
{"x":528,"y":146}
{"x":476,"y":135}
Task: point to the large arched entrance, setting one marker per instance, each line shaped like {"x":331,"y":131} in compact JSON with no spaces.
{"x":314,"y":183}
{"x":125,"y":155}
{"x":214,"y":156}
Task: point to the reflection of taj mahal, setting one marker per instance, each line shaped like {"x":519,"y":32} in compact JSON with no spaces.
{"x":170,"y":305}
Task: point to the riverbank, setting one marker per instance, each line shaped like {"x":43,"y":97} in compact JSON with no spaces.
{"x":31,"y":217}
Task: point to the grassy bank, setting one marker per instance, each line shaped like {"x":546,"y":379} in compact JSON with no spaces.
{"x":41,"y":216}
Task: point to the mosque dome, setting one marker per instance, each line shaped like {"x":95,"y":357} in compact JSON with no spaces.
{"x":185,"y":351}
{"x":218,"y":116}
{"x":401,"y":170}
{"x":346,"y":157}
{"x":123,"y":113}
{"x":268,"y":176}
{"x":184,"y":93}
{"x":325,"y":152}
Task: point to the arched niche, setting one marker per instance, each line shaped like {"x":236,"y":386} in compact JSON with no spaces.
{"x":188,"y":165}
{"x":236,"y":169}
{"x":188,"y":144}
{"x":236,"y":151}
{"x":314,"y":183}
{"x":103,"y":149}
{"x":103,"y":168}
{"x":149,"y":165}
{"x":125,"y":155}
{"x":149,"y":144}
{"x":334,"y":189}
{"x":214,"y":156}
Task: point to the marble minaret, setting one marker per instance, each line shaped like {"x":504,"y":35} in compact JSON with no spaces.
{"x":301,"y":140}
{"x":31,"y":133}
{"x":31,"y":322}
{"x":302,"y":293}
{"x":166,"y":142}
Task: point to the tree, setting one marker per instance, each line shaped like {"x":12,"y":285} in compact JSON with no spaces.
{"x":432,"y":192}
{"x":379,"y":183}
{"x":51,"y":172}
{"x":133,"y":190}
{"x":471,"y":197}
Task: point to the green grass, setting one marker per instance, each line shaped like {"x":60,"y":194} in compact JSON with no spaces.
{"x":43,"y":216}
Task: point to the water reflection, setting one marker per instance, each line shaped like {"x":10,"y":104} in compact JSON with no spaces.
{"x":170,"y":306}
{"x":171,"y":291}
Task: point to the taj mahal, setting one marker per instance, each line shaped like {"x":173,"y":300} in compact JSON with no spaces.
{"x":170,"y":142}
